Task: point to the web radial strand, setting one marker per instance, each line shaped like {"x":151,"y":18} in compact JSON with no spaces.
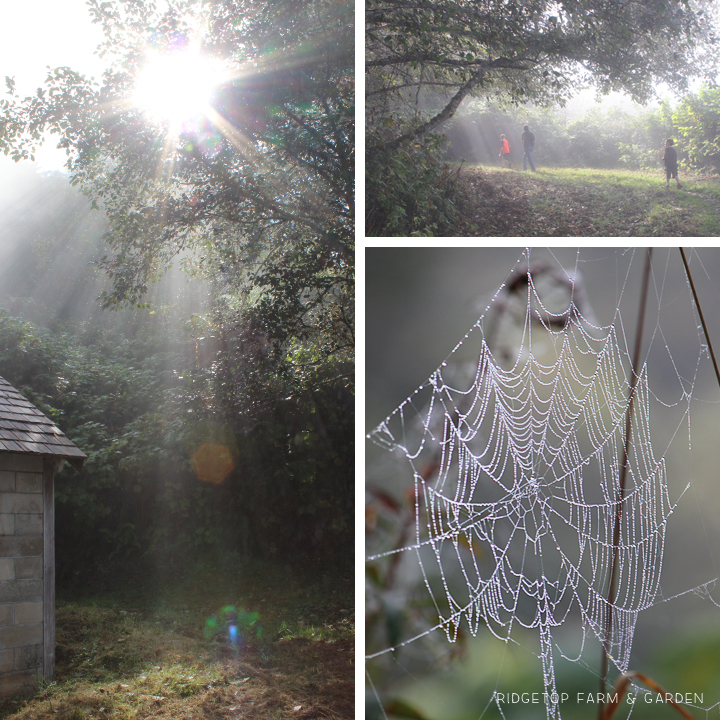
{"x":516,"y":474}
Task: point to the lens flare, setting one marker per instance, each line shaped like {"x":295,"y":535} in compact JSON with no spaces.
{"x":213,"y":463}
{"x":233,"y":627}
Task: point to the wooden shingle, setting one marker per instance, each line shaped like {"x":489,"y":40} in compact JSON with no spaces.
{"x":23,"y":428}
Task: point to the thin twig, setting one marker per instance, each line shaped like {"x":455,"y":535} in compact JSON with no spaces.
{"x":702,"y":319}
{"x":621,"y":689}
{"x":621,"y":488}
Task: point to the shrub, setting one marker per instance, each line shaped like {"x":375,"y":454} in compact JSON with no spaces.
{"x":410,"y":191}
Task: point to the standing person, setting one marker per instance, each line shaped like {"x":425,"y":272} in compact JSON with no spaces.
{"x":528,"y":142}
{"x":504,"y":152}
{"x":670,"y":160}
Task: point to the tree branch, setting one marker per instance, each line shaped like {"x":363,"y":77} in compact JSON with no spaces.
{"x":447,"y":112}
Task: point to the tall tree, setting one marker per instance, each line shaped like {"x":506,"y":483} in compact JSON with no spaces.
{"x":424,"y":58}
{"x":260,"y":184}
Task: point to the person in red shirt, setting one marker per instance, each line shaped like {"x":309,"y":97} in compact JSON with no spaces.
{"x":504,"y":152}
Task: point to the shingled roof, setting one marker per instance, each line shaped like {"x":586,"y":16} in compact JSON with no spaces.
{"x":24,"y":429}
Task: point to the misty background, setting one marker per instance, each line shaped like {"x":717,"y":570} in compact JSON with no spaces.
{"x":51,"y":247}
{"x":612,"y":133}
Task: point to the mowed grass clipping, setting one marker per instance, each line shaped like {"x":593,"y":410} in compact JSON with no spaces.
{"x":154,"y":658}
{"x":566,"y":202}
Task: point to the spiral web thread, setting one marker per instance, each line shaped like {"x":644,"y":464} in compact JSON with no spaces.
{"x":516,"y":484}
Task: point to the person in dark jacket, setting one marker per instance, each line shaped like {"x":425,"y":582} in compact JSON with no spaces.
{"x":670,"y":160}
{"x":528,"y":143}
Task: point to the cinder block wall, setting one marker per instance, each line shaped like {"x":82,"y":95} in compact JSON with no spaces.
{"x":21,"y":572}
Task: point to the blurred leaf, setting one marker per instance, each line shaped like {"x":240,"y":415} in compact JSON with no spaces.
{"x":400,"y":708}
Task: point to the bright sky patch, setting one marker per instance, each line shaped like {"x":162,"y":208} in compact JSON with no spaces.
{"x":177,"y":87}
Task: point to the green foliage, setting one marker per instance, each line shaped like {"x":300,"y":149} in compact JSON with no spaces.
{"x":538,"y":51}
{"x":272,"y":175}
{"x":309,"y":287}
{"x":697,"y":119}
{"x":588,"y":146}
{"x":256,"y":207}
{"x":141,"y":397}
{"x":141,"y":413}
{"x":613,"y":138}
{"x":410,"y":191}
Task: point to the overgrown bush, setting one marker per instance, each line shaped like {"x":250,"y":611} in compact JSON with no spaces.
{"x":250,"y":365}
{"x":697,"y":120}
{"x":411,"y":191}
{"x":142,"y":408}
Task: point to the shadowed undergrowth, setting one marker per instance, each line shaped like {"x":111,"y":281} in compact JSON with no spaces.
{"x":169,"y":655}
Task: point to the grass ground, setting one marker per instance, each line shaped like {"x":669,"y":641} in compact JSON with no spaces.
{"x":559,"y":202}
{"x":168,"y":655}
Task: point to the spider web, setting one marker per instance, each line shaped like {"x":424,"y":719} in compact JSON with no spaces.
{"x":516,"y":460}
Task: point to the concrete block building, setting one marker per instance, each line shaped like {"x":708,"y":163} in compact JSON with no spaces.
{"x":32,"y":450}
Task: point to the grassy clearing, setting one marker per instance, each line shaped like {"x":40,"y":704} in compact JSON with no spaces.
{"x":167,"y":655}
{"x":559,"y":202}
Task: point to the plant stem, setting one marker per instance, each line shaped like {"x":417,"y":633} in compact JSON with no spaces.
{"x":700,"y":313}
{"x":621,"y":488}
{"x":622,"y":686}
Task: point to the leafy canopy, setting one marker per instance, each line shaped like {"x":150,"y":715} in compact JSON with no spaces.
{"x":424,"y":58}
{"x":237,"y":192}
{"x":254,"y":194}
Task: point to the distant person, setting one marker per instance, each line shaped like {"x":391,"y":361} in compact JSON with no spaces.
{"x":504,"y":152}
{"x":670,"y":160}
{"x":528,"y":143}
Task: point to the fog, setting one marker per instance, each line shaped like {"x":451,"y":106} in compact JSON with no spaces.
{"x":52,"y":243}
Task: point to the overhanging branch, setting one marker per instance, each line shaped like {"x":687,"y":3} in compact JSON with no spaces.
{"x":447,"y":112}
